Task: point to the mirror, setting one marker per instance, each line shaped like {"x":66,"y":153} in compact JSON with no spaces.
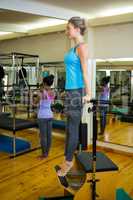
{"x":117,"y":118}
{"x":19,"y":92}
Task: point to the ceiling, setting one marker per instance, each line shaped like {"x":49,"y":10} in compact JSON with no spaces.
{"x":116,"y":64}
{"x":20,"y":21}
{"x":94,"y":8}
{"x":14,"y":17}
{"x":34,"y":16}
{"x":15,"y":24}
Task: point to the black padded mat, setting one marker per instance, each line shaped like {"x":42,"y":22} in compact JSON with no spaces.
{"x":7,"y":124}
{"x":4,"y":114}
{"x":103,"y":163}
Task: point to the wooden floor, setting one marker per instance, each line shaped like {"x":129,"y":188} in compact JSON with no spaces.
{"x":118,"y":132}
{"x":26,"y":177}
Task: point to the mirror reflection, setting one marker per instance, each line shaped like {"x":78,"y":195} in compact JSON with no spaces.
{"x":114,"y":82}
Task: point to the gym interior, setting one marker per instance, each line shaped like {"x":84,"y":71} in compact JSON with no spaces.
{"x":33,"y":43}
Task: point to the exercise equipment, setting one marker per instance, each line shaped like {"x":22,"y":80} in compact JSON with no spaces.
{"x":59,"y":124}
{"x":120,"y":82}
{"x":127,"y":118}
{"x":14,"y":124}
{"x":11,"y":143}
{"x":16,"y":61}
{"x":103,"y":163}
{"x":6,"y":144}
{"x":72,"y":182}
{"x":74,"y":179}
{"x":83,"y":135}
{"x":123,"y":114}
{"x":4,"y":114}
{"x":20,"y":124}
{"x":91,"y":162}
{"x":65,"y":197}
{"x":122,"y":195}
{"x":95,"y":161}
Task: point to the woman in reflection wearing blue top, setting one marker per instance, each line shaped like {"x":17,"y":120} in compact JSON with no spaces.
{"x":77,"y":84}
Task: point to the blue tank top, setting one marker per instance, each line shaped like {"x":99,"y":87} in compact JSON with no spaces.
{"x":74,"y":75}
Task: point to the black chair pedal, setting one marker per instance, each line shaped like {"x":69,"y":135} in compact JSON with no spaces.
{"x":62,"y":179}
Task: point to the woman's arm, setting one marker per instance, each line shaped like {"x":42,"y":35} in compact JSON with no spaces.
{"x":82,"y":51}
{"x":51,"y":94}
{"x":36,"y":99}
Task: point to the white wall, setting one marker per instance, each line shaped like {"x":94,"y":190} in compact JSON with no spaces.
{"x":114,"y":41}
{"x":50,"y":47}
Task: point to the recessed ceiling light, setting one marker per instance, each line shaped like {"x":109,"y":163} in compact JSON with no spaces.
{"x":5,"y":33}
{"x":114,"y":59}
{"x":45,"y":23}
{"x":116,"y":11}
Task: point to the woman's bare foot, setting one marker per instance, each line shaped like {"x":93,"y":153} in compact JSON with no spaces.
{"x":43,"y":156}
{"x":65,"y":167}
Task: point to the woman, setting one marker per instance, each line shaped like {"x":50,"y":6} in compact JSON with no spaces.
{"x":76,"y":63}
{"x":2,"y":74}
{"x":104,"y":96}
{"x":45,"y":115}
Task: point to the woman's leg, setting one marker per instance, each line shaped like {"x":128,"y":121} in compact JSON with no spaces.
{"x":49,"y":134}
{"x":73,"y":110}
{"x":103,"y":115}
{"x":73,"y":133}
{"x":67,"y":136}
{"x":104,"y":118}
{"x":43,"y":135}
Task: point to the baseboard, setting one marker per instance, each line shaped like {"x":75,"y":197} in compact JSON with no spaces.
{"x":115,"y":148}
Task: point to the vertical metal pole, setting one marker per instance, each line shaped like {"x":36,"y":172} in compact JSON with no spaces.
{"x":14,"y":106}
{"x":37,"y":70}
{"x":131,"y":99}
{"x":28,"y":113}
{"x":94,"y":152}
